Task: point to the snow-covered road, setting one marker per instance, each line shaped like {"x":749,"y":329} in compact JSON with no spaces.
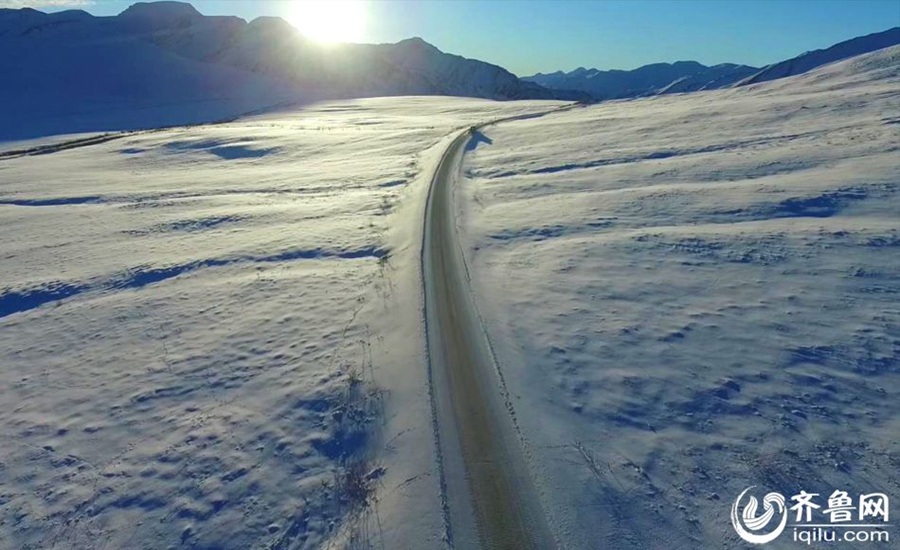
{"x":489,"y":497}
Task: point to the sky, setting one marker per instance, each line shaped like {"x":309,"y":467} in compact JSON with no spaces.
{"x":548,"y":35}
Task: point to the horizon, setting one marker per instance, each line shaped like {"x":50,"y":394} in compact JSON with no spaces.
{"x":599,"y":35}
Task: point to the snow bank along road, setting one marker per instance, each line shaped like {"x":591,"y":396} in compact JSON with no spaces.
{"x":489,"y":498}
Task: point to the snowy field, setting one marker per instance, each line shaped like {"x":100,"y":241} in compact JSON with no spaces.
{"x":212,"y":336}
{"x":692,"y":294}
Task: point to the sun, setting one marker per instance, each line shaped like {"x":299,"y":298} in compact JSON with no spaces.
{"x":329,"y":21}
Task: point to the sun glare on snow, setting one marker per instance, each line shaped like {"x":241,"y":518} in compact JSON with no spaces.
{"x":329,"y":21}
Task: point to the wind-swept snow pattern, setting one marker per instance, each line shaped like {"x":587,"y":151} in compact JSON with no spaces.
{"x":691,"y":295}
{"x":212,"y":336}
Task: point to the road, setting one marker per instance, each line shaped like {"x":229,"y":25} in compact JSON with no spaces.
{"x":489,"y":498}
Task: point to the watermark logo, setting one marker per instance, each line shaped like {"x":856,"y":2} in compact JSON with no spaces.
{"x":843,"y":518}
{"x":747,"y":523}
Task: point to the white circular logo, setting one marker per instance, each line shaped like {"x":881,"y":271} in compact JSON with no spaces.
{"x":748,"y":521}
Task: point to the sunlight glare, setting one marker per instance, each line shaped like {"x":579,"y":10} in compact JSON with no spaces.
{"x":329,"y":21}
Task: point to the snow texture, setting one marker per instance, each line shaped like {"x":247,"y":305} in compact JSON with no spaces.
{"x":206,"y":332}
{"x":689,"y":295}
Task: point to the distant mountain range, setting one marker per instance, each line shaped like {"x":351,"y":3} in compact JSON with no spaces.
{"x":164,"y":63}
{"x":690,"y":76}
{"x":271,"y":47}
{"x":682,"y":76}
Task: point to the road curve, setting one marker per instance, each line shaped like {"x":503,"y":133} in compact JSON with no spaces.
{"x":489,"y":498}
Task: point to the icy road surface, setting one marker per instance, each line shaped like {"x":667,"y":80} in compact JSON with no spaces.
{"x":491,"y":502}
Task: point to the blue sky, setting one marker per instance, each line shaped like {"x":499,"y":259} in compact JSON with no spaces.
{"x":531,"y":36}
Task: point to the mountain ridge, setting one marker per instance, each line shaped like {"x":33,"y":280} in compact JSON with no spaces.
{"x":126,"y":71}
{"x":810,"y":60}
{"x":652,"y":79}
{"x":164,"y":63}
{"x":271,"y":46}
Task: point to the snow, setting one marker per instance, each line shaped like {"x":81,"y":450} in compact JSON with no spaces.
{"x":689,"y":295}
{"x":205,"y":330}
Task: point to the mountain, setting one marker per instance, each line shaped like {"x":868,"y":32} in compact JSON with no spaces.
{"x":690,"y":76}
{"x":810,"y":60}
{"x":70,"y":72}
{"x":165,"y":63}
{"x":712,"y":78}
{"x":682,"y":76}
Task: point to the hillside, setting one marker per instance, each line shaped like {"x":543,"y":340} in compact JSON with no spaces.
{"x":810,"y":60}
{"x":691,"y":294}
